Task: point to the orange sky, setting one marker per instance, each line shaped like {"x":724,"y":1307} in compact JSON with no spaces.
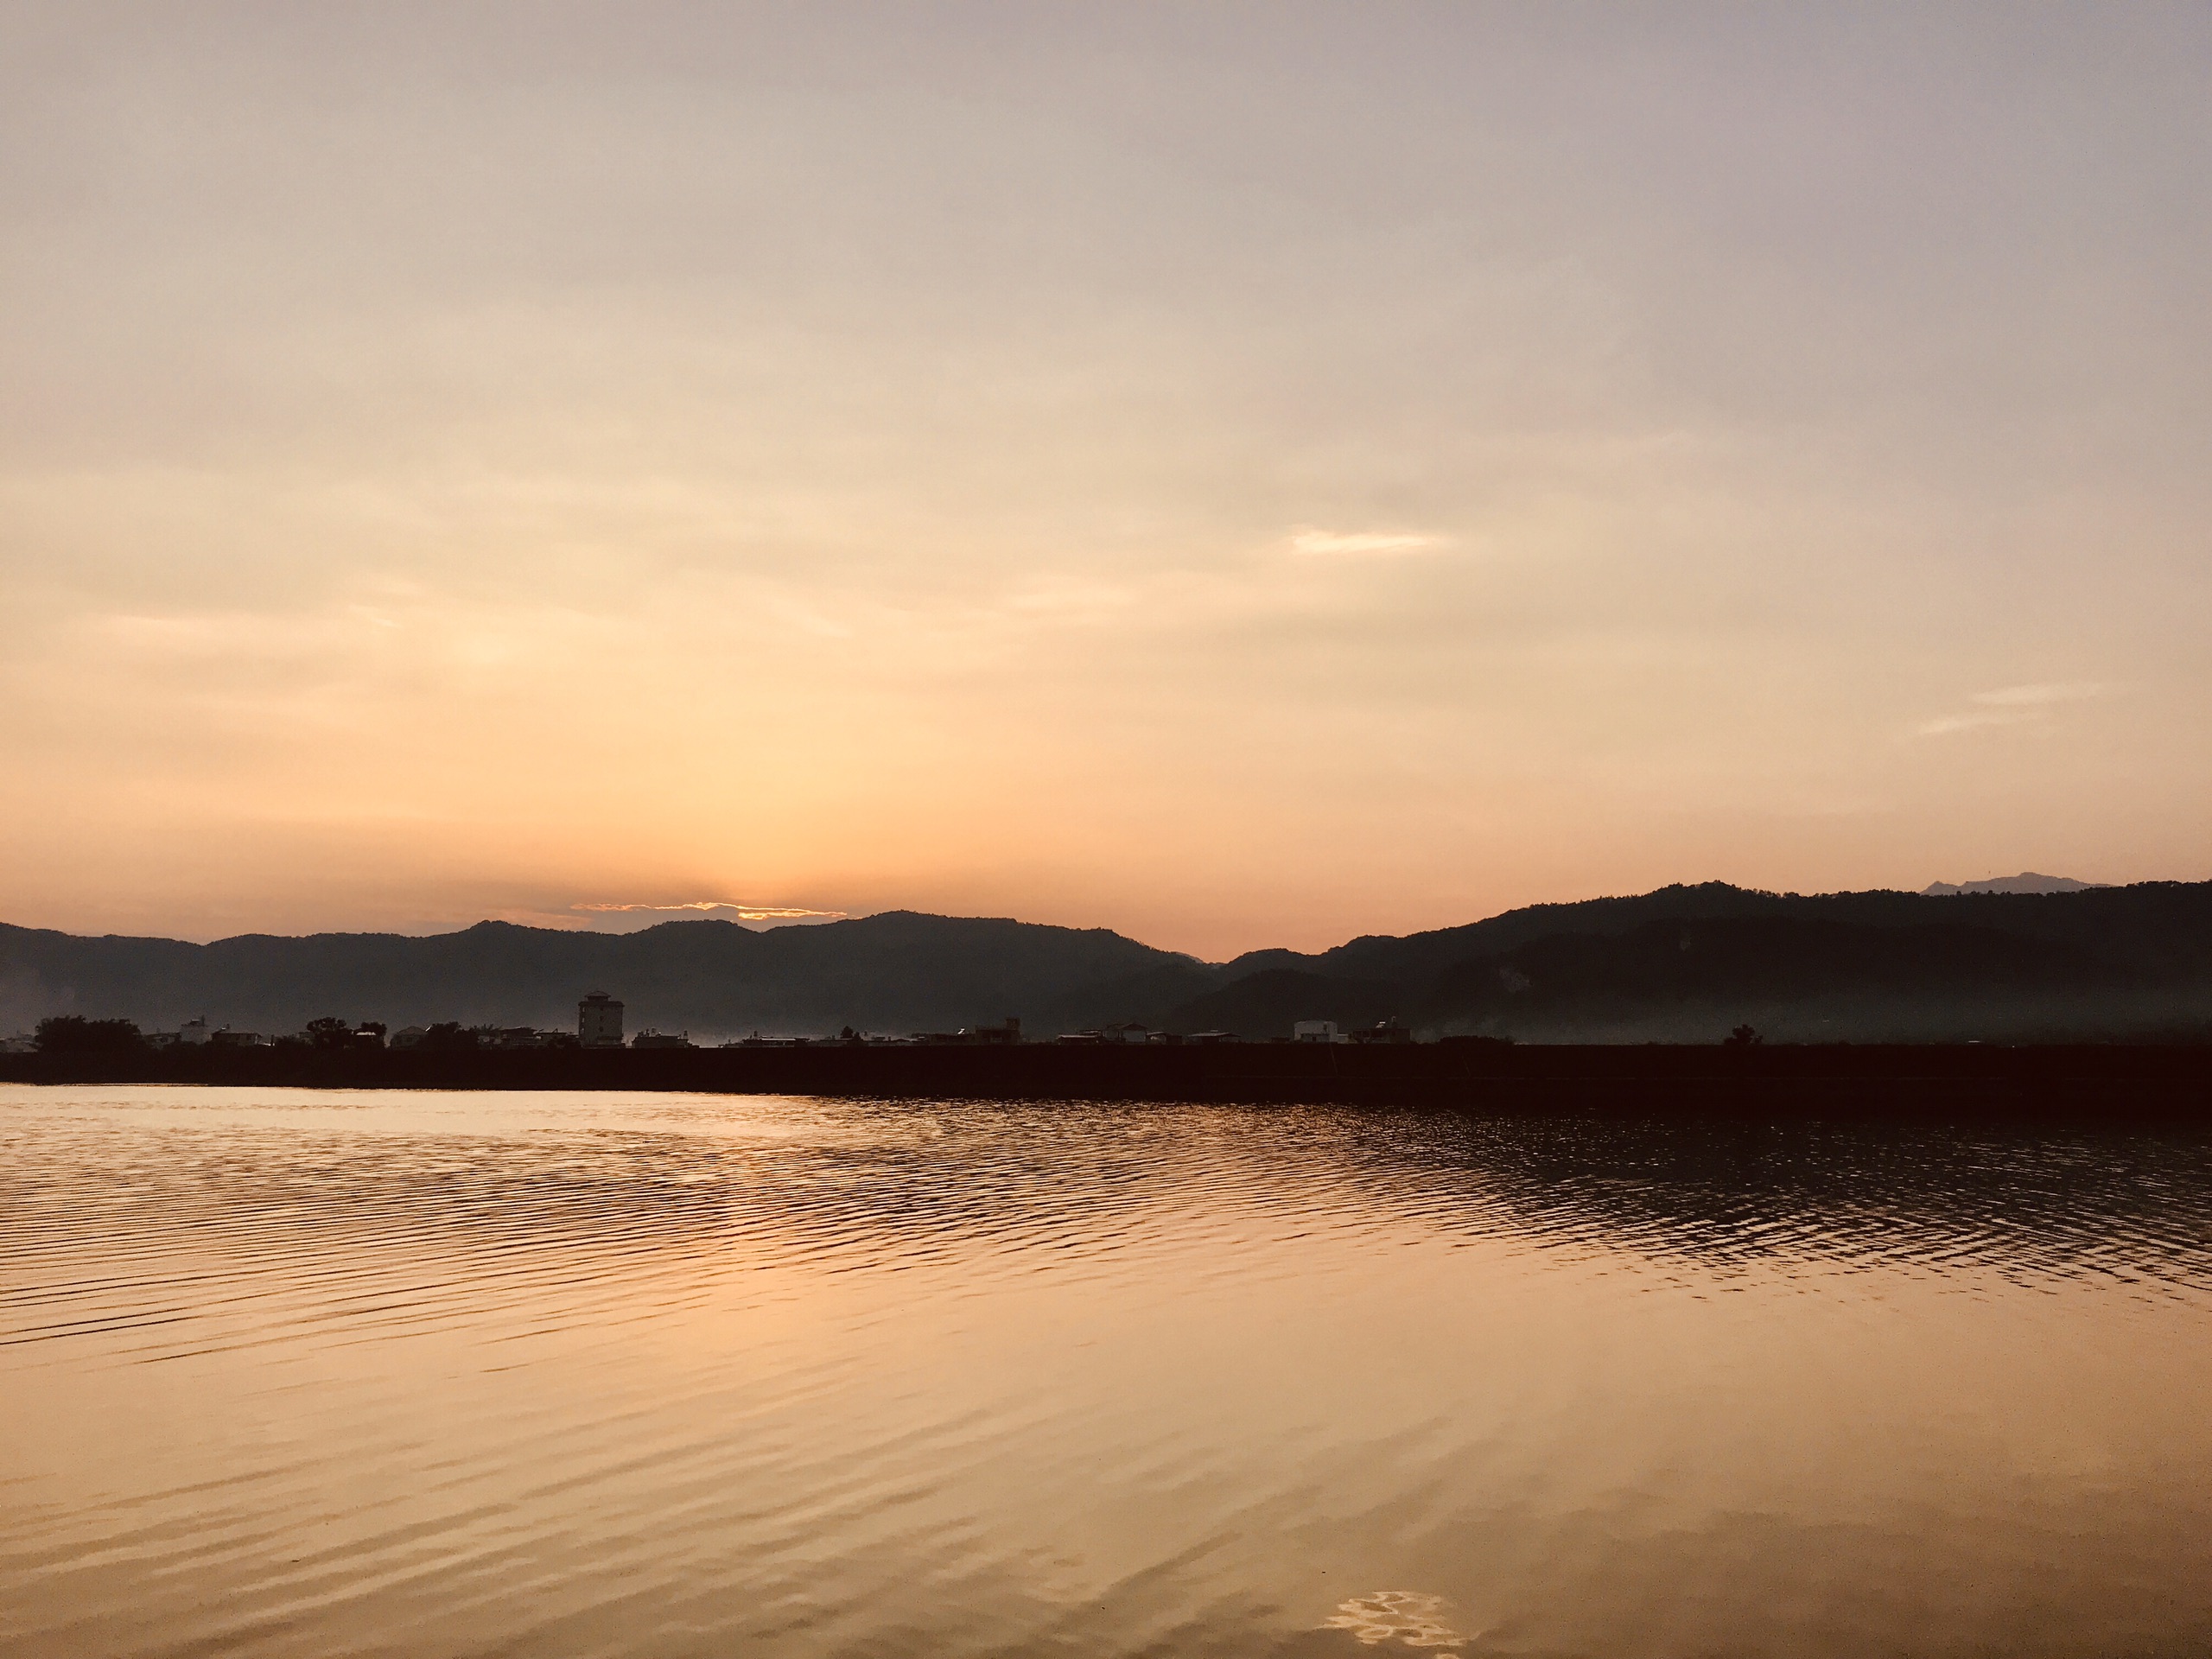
{"x":1243,"y":480}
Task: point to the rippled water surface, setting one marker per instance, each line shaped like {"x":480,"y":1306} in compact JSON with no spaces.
{"x":291,"y":1373}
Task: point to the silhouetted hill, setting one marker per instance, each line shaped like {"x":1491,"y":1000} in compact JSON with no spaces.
{"x":1791,"y":977}
{"x":1681,"y":963}
{"x":1269,"y":1002}
{"x":2165,"y":926}
{"x":1687,"y":963}
{"x":897,"y":971}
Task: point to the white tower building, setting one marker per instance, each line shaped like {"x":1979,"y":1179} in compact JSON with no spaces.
{"x":599,"y":1021}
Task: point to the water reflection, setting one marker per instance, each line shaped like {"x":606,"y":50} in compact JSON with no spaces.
{"x":1406,"y":1617}
{"x":303,"y":1373}
{"x":1720,"y":1192}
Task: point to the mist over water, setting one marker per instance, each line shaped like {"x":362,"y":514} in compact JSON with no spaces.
{"x":293,"y":1373}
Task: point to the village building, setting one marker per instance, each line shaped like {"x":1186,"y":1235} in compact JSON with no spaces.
{"x":599,"y":1021}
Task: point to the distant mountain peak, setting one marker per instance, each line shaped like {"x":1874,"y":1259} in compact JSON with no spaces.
{"x":2026,"y":881}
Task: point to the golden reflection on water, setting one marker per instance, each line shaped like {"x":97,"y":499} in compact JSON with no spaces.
{"x":307,"y":1374}
{"x":1406,"y":1617}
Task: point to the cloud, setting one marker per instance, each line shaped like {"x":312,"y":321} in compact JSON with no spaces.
{"x":2015,"y":705}
{"x":2033,"y":696}
{"x":745,"y":912}
{"x":1326,"y":544}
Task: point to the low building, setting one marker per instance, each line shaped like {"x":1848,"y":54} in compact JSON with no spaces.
{"x":1317,"y":1031}
{"x":663,"y":1039}
{"x":1130,"y":1031}
{"x":970,"y":1036}
{"x":409,"y":1037}
{"x":599,"y":1021}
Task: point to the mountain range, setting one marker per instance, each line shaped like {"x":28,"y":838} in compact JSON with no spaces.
{"x":2026,"y":881}
{"x":1682,"y":963}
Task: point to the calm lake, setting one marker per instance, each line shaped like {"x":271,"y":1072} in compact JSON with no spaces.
{"x":292,"y":1373}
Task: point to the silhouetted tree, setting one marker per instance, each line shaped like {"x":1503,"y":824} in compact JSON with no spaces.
{"x":329,"y":1032}
{"x":72,"y":1033}
{"x":1742,"y":1037}
{"x":447,"y":1036}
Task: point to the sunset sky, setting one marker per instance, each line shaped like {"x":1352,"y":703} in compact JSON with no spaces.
{"x":1239,"y":475}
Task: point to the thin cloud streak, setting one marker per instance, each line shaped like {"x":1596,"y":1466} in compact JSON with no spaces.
{"x":2019,"y":696}
{"x":2017,"y":705}
{"x":1328,"y":543}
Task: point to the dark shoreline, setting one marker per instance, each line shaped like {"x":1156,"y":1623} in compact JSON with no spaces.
{"x":2130,"y":1081}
